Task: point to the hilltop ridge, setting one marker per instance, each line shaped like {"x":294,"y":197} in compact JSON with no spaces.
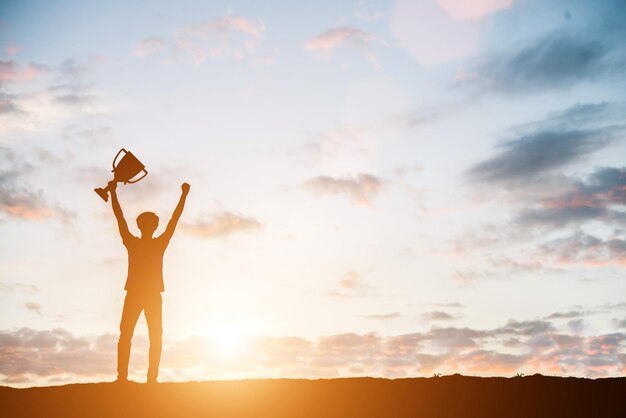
{"x":446,"y":396}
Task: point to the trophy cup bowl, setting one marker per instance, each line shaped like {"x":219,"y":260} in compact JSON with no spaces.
{"x":124,"y":171}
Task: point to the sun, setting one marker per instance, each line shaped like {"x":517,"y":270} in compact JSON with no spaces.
{"x":229,"y":334}
{"x":227,"y":339}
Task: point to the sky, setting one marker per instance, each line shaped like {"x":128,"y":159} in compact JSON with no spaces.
{"x":378,"y":188}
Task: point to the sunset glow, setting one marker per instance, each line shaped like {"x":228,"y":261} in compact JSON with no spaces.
{"x":378,"y":188}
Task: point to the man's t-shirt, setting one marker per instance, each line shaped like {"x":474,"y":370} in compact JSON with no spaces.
{"x":145,"y":264}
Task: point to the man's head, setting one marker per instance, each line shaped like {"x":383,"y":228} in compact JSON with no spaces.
{"x":147,"y":223}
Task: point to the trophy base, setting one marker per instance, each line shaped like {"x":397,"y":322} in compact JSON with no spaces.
{"x":103,"y":193}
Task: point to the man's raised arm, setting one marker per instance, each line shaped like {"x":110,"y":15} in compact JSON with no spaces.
{"x":119,"y":215}
{"x":171,"y":225}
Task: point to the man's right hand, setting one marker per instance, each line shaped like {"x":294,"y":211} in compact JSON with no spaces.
{"x":112,"y":185}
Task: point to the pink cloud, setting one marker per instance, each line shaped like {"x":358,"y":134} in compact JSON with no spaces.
{"x":585,"y":249}
{"x":336,"y":37}
{"x":350,"y":285}
{"x":18,"y":198}
{"x":30,"y":356}
{"x":362,"y":188}
{"x":226,"y":36}
{"x":346,"y":36}
{"x":12,"y":50}
{"x":148,"y":47}
{"x":264,"y":60}
{"x":196,"y":53}
{"x":13,"y":71}
{"x":26,"y":212}
{"x":212,"y":27}
{"x":613,"y":195}
{"x":221,"y":225}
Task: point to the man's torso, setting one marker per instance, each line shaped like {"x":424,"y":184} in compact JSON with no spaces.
{"x":145,"y":264}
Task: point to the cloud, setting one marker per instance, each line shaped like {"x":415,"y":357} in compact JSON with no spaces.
{"x":65,"y":93}
{"x":453,"y":338}
{"x":17,"y":197}
{"x":604,"y":187}
{"x":576,"y":325}
{"x":554,"y":218}
{"x":369,"y":16}
{"x":489,"y":361}
{"x":448,"y":304}
{"x":525,"y":328}
{"x":98,"y":135}
{"x":12,"y":50}
{"x":20,"y":201}
{"x":264,"y":60}
{"x":72,"y":89}
{"x":351,"y":281}
{"x":437,"y":316}
{"x":221,"y":225}
{"x":148,"y":47}
{"x":225,"y":36}
{"x":362,"y":188}
{"x":52,"y":353}
{"x":528,"y":173}
{"x":582,"y":248}
{"x":343,"y":142}
{"x":72,"y":69}
{"x":8,"y":103}
{"x":491,"y":267}
{"x":33,"y":307}
{"x":337,"y":37}
{"x":556,"y":61}
{"x":384,"y":317}
{"x":404,"y":170}
{"x":595,"y":197}
{"x":561,"y":139}
{"x":214,"y":27}
{"x":567,"y":315}
{"x":40,"y":356}
{"x":345,"y":36}
{"x":593,"y":115}
{"x":516,"y":267}
{"x":12,"y":71}
{"x":18,"y":287}
{"x":350,"y":285}
{"x":534,"y":154}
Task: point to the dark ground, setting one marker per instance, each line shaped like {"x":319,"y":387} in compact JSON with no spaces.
{"x":448,"y":396}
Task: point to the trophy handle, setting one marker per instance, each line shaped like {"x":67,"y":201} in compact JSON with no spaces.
{"x":145,"y":173}
{"x":115,"y":159}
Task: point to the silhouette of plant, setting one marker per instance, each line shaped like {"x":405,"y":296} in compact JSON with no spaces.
{"x":436,"y":374}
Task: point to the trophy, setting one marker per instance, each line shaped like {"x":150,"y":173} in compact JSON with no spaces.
{"x":127,"y":168}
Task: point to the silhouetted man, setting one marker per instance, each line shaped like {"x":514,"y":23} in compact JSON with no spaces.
{"x":144,"y":282}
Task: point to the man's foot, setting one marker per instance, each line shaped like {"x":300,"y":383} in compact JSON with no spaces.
{"x":121,"y":380}
{"x":152,"y":381}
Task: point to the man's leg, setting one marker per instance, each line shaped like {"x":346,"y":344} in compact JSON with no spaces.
{"x":153,"y":312}
{"x":130,"y":314}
